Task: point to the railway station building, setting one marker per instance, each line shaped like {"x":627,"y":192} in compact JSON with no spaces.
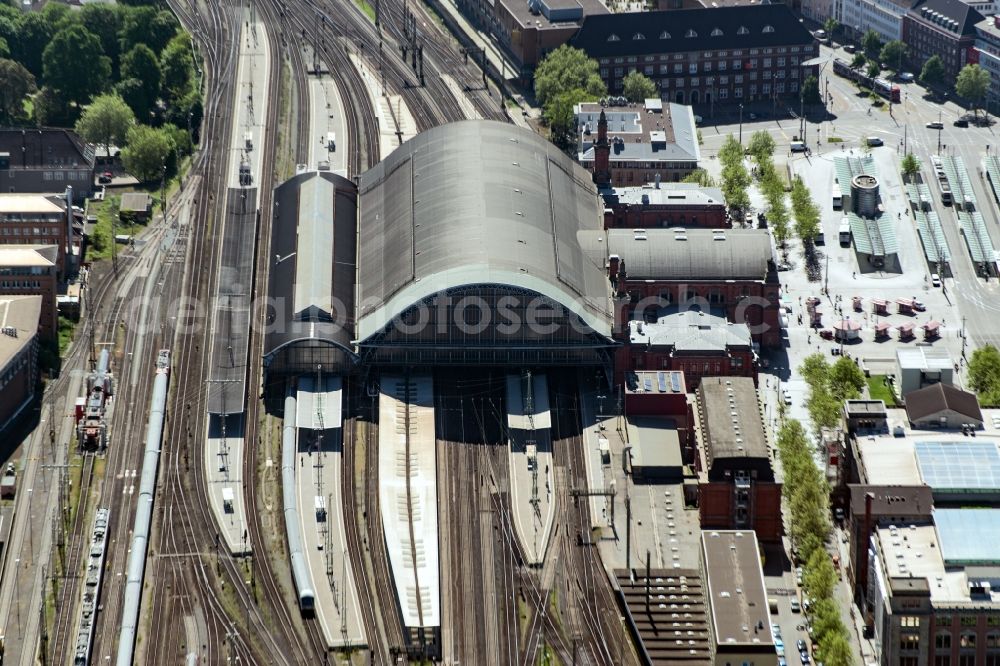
{"x":311,"y":279}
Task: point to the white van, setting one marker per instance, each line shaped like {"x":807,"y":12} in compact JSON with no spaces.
{"x":845,"y":232}
{"x":838,"y":199}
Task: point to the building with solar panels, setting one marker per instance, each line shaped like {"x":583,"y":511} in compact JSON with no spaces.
{"x":928,"y":576}
{"x":460,"y":248}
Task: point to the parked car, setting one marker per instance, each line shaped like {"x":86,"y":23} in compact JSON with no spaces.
{"x":779,"y":647}
{"x":782,"y":662}
{"x":801,"y":646}
{"x":873,"y":141}
{"x":906,"y":77}
{"x":804,"y":657}
{"x":105,"y":178}
{"x":796,"y":607}
{"x":935,"y":279}
{"x":786,"y":395}
{"x":961,"y":122}
{"x":935,"y":124}
{"x":919,"y":306}
{"x":776,"y":629}
{"x":850,"y":48}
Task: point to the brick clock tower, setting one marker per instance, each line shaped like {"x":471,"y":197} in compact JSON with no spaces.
{"x":602,"y":154}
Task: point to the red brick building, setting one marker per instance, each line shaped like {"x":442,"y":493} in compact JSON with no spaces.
{"x":635,"y":144}
{"x":18,"y":354}
{"x":693,"y":342}
{"x":737,"y":488}
{"x":30,"y":270}
{"x":728,"y":272}
{"x":35,"y":219}
{"x":665,"y":205}
{"x":663,"y":394}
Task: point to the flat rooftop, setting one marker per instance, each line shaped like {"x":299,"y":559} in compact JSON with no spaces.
{"x":864,"y":408}
{"x":522,"y":13}
{"x":682,"y":195}
{"x":655,"y":381}
{"x":730,"y":418}
{"x":948,"y":463}
{"x":19,"y":317}
{"x":34,"y":204}
{"x":648,"y":131}
{"x":654,"y":443}
{"x":736,"y":591}
{"x":969,"y":537}
{"x":690,"y":331}
{"x":924,"y":358}
{"x":28,"y":256}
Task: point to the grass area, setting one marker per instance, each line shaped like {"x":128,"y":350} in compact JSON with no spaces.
{"x":834,"y":139}
{"x":108,"y":226}
{"x":66,"y":329}
{"x":368,"y":10}
{"x":878,"y":389}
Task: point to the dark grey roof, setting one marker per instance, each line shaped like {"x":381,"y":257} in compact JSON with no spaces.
{"x":684,"y":30}
{"x":939,"y":397}
{"x":964,"y":15}
{"x":39,"y":148}
{"x":730,"y":419}
{"x":903,"y":501}
{"x":312,"y":267}
{"x":688,"y":254}
{"x":477,"y":202}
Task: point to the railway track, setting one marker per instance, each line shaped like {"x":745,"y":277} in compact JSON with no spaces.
{"x":64,"y":633}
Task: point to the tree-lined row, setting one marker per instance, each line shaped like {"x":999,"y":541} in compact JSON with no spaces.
{"x":829,"y":386}
{"x":54,"y":61}
{"x":806,"y":495}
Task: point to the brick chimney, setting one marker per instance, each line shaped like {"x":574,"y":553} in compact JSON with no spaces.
{"x":602,"y":153}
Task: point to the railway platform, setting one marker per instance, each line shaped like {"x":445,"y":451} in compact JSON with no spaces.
{"x":396,"y":124}
{"x":326,"y":122}
{"x":529,"y":429}
{"x":320,"y":508}
{"x":224,"y":447}
{"x":408,"y":495}
{"x":662,"y":524}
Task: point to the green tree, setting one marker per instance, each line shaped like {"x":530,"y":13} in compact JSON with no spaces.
{"x":984,"y":374}
{"x":638,"y":87}
{"x":141,"y":70}
{"x":49,"y":109}
{"x":566,"y":69}
{"x":893,"y":54}
{"x":810,"y":90}
{"x":859,"y":60}
{"x":106,"y":122}
{"x":933,"y":72}
{"x":558,"y":115}
{"x":871,"y":43}
{"x":761,"y":145}
{"x":176,"y":68}
{"x":105,"y":21}
{"x":837,"y":651}
{"x":147,"y":152}
{"x":16,"y":83}
{"x":846,"y":379}
{"x":831,"y":25}
{"x":815,"y":370}
{"x":59,"y":16}
{"x":972,"y":83}
{"x":147,"y":25}
{"x":777,"y":219}
{"x":827,"y":622}
{"x":731,"y":152}
{"x":33,"y":33}
{"x":700,"y":177}
{"x":874,"y":70}
{"x":910,"y":165}
{"x":819,"y":577}
{"x":74,"y":64}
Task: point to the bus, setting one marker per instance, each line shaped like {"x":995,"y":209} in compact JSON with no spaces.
{"x":881,"y":86}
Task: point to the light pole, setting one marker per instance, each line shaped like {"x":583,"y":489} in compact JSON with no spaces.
{"x":741,"y":123}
